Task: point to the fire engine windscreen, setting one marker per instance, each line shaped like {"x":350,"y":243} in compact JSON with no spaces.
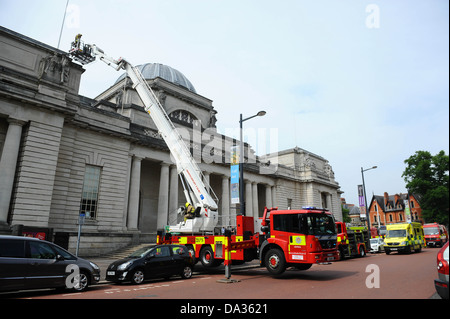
{"x":308,"y":224}
{"x":431,"y":230}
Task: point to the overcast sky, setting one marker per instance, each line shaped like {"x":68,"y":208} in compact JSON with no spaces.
{"x":360,"y":83}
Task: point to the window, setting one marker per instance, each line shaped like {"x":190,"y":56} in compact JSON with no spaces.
{"x":89,"y":197}
{"x":324,"y":200}
{"x":289,"y":223}
{"x":12,"y":248}
{"x":412,"y":204}
{"x":161,"y":252}
{"x":396,"y":233}
{"x":289,"y":203}
{"x":401,"y":217}
{"x":65,"y":254}
{"x":431,"y":231}
{"x":390,"y":217}
{"x":183,"y":116}
{"x":177,"y":250}
{"x":40,"y":250}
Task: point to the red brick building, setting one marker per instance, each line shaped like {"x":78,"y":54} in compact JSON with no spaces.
{"x":391,"y":209}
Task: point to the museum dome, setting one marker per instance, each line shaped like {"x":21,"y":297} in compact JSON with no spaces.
{"x":154,"y":70}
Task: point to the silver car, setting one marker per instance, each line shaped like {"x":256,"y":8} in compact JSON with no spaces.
{"x":376,"y":245}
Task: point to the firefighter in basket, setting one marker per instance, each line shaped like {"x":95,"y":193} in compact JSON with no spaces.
{"x":190,"y":211}
{"x":77,"y":43}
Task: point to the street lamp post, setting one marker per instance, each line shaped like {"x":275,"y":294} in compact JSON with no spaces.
{"x":365,"y":196}
{"x":241,"y":161}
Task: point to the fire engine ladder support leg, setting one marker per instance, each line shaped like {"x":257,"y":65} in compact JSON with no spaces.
{"x":227,"y":263}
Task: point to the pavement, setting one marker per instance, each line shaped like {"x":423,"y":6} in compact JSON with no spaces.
{"x":103,"y":264}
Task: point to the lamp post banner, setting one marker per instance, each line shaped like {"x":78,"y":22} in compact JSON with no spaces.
{"x":234,"y":173}
{"x":362,"y":205}
{"x":361,"y":196}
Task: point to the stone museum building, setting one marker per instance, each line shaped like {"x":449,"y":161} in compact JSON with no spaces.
{"x":63,"y":154}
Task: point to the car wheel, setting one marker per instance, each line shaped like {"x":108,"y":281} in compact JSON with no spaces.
{"x":187,"y":272}
{"x":137,"y":277}
{"x":81,"y":282}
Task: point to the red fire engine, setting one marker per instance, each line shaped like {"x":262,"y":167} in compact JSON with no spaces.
{"x":298,"y":238}
{"x":352,"y":241}
{"x":435,"y":234}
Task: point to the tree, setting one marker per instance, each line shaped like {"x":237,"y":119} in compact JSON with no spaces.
{"x":345,"y":215}
{"x":427,"y":176}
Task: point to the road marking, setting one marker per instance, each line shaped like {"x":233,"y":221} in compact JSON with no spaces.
{"x":144,"y":287}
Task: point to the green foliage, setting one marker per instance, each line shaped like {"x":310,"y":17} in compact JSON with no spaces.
{"x":345,"y":215}
{"x":427,"y":176}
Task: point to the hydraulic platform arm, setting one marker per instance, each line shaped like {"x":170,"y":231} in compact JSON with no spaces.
{"x":86,"y":53}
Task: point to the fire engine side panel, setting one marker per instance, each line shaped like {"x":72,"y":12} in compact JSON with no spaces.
{"x":245,"y":224}
{"x":215,"y":242}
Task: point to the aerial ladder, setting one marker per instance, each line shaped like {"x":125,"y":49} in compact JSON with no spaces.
{"x":195,"y":191}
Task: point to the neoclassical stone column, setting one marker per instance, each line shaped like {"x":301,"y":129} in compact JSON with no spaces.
{"x":248,"y":199}
{"x":268,"y":196}
{"x":206,"y":178}
{"x":163,"y":197}
{"x":255,"y":200}
{"x":225,"y":200}
{"x":274,"y":196}
{"x":173,"y":194}
{"x":135,"y":185}
{"x":329,"y":202}
{"x":8,"y":163}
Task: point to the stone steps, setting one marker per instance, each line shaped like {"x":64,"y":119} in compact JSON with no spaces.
{"x":125,"y":251}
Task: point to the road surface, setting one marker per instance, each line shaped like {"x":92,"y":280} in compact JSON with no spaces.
{"x":376,"y":276}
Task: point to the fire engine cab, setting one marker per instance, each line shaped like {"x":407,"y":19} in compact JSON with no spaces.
{"x":298,"y":238}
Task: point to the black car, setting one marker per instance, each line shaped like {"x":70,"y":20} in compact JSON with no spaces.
{"x":161,"y":261}
{"x":31,"y":263}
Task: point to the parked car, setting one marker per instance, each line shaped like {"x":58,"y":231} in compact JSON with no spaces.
{"x":161,"y":261}
{"x":31,"y":263}
{"x":376,"y":245}
{"x":441,"y":284}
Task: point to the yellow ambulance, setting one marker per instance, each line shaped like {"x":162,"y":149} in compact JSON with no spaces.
{"x":404,"y":238}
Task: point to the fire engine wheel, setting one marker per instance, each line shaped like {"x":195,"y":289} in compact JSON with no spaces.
{"x":341,"y":253}
{"x":275,"y":262}
{"x":362,"y":252}
{"x":207,"y":258}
